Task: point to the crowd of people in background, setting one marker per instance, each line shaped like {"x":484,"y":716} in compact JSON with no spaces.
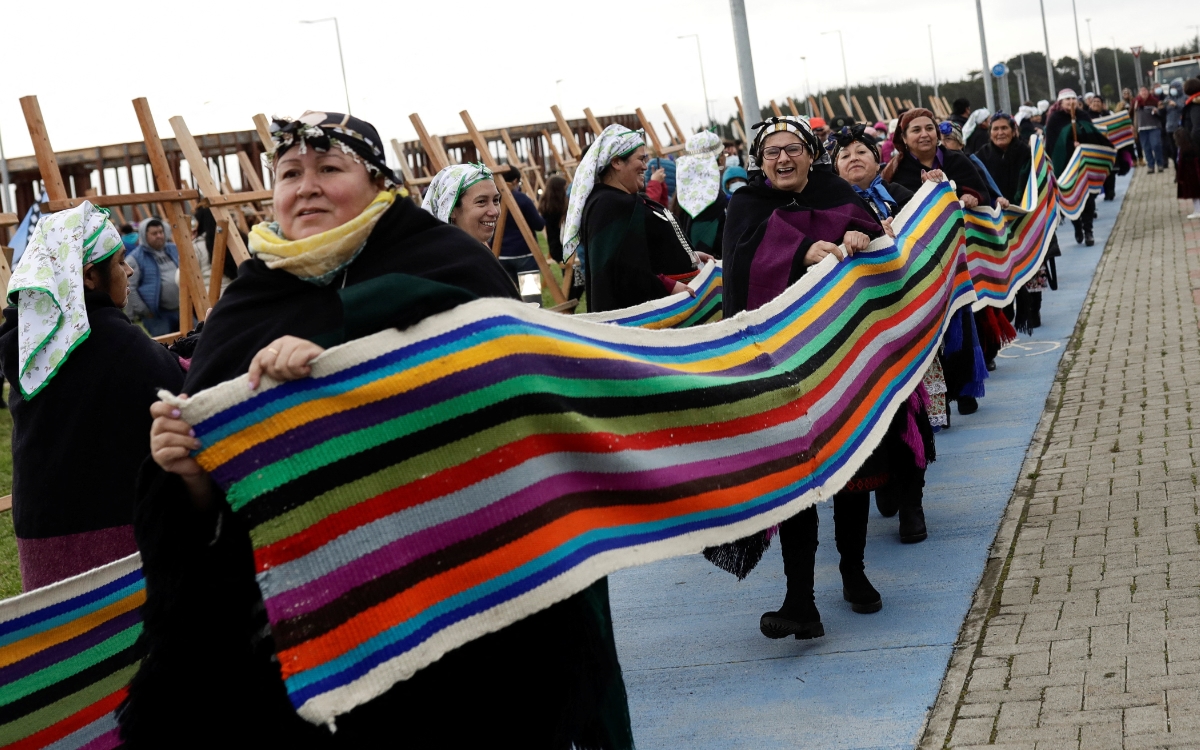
{"x":629,"y":229}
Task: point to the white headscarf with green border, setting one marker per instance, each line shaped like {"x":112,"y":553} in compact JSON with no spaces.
{"x":47,"y":289}
{"x":697,"y":176}
{"x":448,"y":186}
{"x":616,"y":140}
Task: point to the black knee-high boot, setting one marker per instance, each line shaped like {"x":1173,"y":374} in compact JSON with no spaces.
{"x":798,"y":616}
{"x":850,"y":511}
{"x":911,"y":491}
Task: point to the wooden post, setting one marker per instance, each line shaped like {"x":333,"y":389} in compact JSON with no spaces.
{"x":816,"y":108}
{"x":775,"y":108}
{"x":593,"y":123}
{"x":862,"y":116}
{"x":674,"y":124}
{"x":739,"y":133}
{"x":433,"y":150}
{"x":411,"y":181}
{"x":655,"y":144}
{"x":566,"y":169}
{"x":828,"y":108}
{"x":52,"y":181}
{"x":846,"y":105}
{"x":192,"y":295}
{"x":207,"y":186}
{"x":568,"y":137}
{"x":220,"y":242}
{"x":514,"y":210}
{"x":792,"y":106}
{"x":741,"y":111}
{"x":875,"y":108}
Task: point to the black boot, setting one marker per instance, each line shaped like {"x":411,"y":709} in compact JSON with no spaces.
{"x":798,"y":616}
{"x":1088,"y":239}
{"x":1078,"y":233}
{"x":1035,"y":310}
{"x":850,"y":511}
{"x":886,"y":501}
{"x":967,"y":405}
{"x":912,"y":524}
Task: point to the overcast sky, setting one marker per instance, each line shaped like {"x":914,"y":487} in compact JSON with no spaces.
{"x":220,"y":62}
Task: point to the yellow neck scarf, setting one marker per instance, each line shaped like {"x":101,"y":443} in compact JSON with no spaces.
{"x":320,"y":257}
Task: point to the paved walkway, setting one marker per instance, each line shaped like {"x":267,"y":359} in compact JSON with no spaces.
{"x":1086,"y":633}
{"x":699,"y":673}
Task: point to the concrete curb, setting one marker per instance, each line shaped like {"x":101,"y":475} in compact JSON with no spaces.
{"x":986,"y":602}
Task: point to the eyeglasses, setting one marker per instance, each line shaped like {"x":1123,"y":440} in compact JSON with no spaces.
{"x":771,"y":153}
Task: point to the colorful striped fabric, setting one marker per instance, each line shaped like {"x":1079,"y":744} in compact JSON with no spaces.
{"x":675,"y":311}
{"x":1084,"y":175}
{"x":426,"y":487}
{"x":1118,"y":128}
{"x":66,"y":656}
{"x":1006,"y":248}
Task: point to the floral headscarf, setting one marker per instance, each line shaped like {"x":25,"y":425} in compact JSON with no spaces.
{"x":448,"y":186}
{"x":47,"y":289}
{"x":615,"y":141}
{"x":697,"y":176}
{"x":356,"y":137}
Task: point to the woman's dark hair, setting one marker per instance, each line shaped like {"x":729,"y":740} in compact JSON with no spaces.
{"x":1191,"y":86}
{"x":554,"y":198}
{"x":104,"y":269}
{"x":127,"y":228}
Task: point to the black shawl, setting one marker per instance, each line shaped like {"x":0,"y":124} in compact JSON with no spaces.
{"x":1061,"y":136}
{"x":627,"y":244}
{"x":210,"y":672}
{"x":77,"y":444}
{"x":750,"y":212}
{"x":957,"y":167}
{"x":1009,"y":167}
{"x":704,"y":231}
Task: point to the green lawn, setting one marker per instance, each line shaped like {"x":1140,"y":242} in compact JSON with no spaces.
{"x":10,"y":574}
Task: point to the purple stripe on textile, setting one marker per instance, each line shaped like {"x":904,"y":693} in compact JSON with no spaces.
{"x":395,"y":555}
{"x":106,"y":741}
{"x":65,"y":650}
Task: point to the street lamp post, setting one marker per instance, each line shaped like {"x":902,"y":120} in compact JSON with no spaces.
{"x":1095,"y":69}
{"x":703,"y":85}
{"x":807,"y":88}
{"x":1046,"y":38}
{"x":932,"y":62}
{"x":337,"y":31}
{"x":741,"y":43}
{"x":845,"y":73}
{"x":1078,"y":47}
{"x":986,"y":71}
{"x":4,"y":178}
{"x":1117,"y":67}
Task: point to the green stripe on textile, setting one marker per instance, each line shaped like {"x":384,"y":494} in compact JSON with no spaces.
{"x":68,"y":667}
{"x":48,"y":716}
{"x":485,"y":441}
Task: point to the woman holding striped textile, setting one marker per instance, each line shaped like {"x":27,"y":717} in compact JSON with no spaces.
{"x":344,"y":259}
{"x":787,"y":219}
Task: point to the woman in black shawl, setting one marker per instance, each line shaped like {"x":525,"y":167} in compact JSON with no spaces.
{"x":633,"y":250}
{"x":367,"y":262}
{"x":1069,"y":125}
{"x":788,"y":218}
{"x":919,"y":157}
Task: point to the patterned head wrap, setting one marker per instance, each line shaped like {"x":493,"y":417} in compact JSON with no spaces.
{"x":448,"y":186}
{"x":848,"y":135}
{"x":47,"y":289}
{"x":615,"y":141}
{"x":951,"y":131}
{"x":977,"y":118}
{"x":797,"y":125}
{"x":697,"y":176}
{"x":322,"y":129}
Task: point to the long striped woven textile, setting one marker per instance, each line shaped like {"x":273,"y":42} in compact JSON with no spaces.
{"x":1005,"y":248}
{"x":675,"y":311}
{"x":1084,"y":175}
{"x":1117,"y":127}
{"x":426,"y":487}
{"x":66,"y":656}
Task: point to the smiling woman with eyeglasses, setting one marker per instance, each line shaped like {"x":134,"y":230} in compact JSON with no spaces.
{"x":787,"y":219}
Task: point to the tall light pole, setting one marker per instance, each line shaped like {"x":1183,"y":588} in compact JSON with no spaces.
{"x":338,"y":32}
{"x":1078,"y":47}
{"x":741,"y":43}
{"x":988,"y":94}
{"x":932,"y":62}
{"x":1095,"y":70}
{"x":845,"y":74}
{"x":703,"y":85}
{"x":1046,"y":38}
{"x":807,"y":88}
{"x":4,"y":178}
{"x":1117,"y":67}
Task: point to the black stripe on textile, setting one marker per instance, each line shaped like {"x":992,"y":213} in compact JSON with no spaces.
{"x":69,"y":686}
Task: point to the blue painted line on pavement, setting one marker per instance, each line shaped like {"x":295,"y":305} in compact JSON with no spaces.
{"x":700,"y":675}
